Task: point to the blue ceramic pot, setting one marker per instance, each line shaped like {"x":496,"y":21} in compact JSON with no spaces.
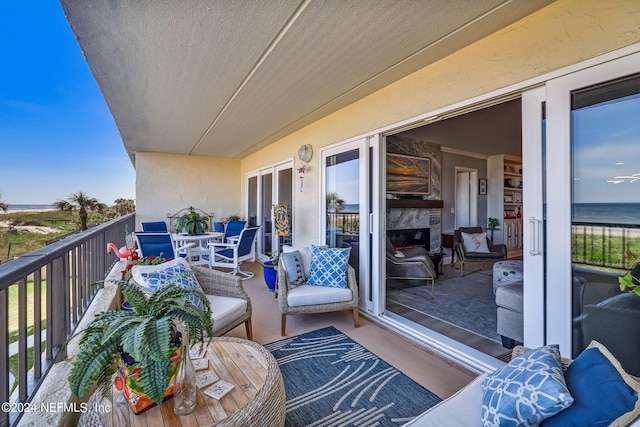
{"x":270,"y":275}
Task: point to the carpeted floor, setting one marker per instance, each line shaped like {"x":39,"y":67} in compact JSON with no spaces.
{"x":467,"y":302}
{"x":332,"y":380}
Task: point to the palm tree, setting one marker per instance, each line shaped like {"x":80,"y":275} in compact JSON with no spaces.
{"x":83,"y":203}
{"x":125,"y":206}
{"x":334,"y":202}
{"x":3,"y":205}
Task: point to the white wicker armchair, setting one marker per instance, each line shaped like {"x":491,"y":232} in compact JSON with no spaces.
{"x":221,"y":289}
{"x":285,"y":294}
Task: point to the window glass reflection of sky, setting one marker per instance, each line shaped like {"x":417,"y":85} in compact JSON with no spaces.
{"x":606,"y":152}
{"x":342,"y":179}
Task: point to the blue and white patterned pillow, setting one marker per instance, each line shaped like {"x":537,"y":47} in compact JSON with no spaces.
{"x":329,"y":267}
{"x":176,"y":271}
{"x":528,"y":390}
{"x":294,"y":268}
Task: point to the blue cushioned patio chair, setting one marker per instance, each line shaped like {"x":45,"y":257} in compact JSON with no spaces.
{"x":233,"y":229}
{"x":160,"y":244}
{"x":154,"y":227}
{"x":231,"y":255}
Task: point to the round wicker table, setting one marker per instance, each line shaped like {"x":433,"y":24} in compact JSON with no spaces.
{"x":257,"y":399}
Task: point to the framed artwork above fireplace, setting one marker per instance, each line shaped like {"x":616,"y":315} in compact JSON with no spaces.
{"x":408,"y":174}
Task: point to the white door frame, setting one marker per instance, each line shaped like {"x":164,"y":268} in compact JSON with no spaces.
{"x":258,"y":174}
{"x":533,"y":206}
{"x":473,"y":196}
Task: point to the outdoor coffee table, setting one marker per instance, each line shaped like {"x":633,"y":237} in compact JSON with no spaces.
{"x":257,"y":399}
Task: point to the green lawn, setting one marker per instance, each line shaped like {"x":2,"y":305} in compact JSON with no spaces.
{"x":13,"y":309}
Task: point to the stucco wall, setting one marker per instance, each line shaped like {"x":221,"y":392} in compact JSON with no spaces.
{"x":561,"y":34}
{"x":167,"y":183}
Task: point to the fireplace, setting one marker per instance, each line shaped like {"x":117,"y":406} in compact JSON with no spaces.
{"x":410,"y":237}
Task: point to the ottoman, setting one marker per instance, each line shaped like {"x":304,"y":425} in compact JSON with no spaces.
{"x":505,"y":273}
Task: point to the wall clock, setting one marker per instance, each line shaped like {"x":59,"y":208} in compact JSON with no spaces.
{"x":305,"y":152}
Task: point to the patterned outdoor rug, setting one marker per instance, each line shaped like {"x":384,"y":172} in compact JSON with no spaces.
{"x":330,"y":379}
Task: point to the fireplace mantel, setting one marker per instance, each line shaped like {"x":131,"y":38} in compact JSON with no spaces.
{"x":415,"y":203}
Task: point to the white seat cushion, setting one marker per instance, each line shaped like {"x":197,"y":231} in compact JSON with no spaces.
{"x":312,"y":295}
{"x":460,"y":410}
{"x":225,"y":310}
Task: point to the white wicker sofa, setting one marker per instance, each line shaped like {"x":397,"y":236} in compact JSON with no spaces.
{"x":464,"y":408}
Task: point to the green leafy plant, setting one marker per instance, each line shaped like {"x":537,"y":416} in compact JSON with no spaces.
{"x":234,"y":217}
{"x":193,"y":223}
{"x":148,"y":334}
{"x":492,"y":223}
{"x":631,"y":280}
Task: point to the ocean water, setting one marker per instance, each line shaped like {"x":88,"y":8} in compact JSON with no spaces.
{"x":610,"y":213}
{"x":18,"y":207}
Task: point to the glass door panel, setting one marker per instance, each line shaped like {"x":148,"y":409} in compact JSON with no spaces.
{"x":593,"y":200}
{"x":342,"y":203}
{"x":605,"y":216}
{"x":252,"y":204}
{"x":267,"y":203}
{"x":284,"y":235}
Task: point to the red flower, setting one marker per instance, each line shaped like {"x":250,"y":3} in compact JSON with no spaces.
{"x":152,"y":257}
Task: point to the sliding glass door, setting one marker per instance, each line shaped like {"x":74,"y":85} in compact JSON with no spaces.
{"x":593,"y":204}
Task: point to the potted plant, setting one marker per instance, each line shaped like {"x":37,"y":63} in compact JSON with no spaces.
{"x":269,"y":269}
{"x":193,"y":223}
{"x":492,"y":223}
{"x":144,"y":342}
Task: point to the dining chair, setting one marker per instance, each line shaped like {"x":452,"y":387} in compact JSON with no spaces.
{"x":154,"y":227}
{"x":233,"y":229}
{"x":160,"y":244}
{"x":231,"y":255}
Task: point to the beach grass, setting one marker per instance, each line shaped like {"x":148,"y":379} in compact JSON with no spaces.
{"x":21,"y":242}
{"x":608,"y":250}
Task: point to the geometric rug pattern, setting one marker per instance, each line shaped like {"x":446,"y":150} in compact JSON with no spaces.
{"x":331,"y":380}
{"x":467,"y":302}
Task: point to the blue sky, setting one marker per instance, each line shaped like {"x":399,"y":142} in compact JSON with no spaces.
{"x":57,"y":135}
{"x":606,"y":145}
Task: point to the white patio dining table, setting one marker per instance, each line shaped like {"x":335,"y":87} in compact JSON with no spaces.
{"x":197,"y":254}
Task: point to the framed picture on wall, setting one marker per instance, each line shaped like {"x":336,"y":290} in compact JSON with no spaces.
{"x":482,"y":187}
{"x":408,"y":174}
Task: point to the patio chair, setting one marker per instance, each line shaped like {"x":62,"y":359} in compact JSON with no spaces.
{"x":305,"y":299}
{"x":160,"y":244}
{"x":230,"y":303}
{"x":154,"y":227}
{"x":487,"y":251}
{"x":231,"y":255}
{"x":233,"y":229}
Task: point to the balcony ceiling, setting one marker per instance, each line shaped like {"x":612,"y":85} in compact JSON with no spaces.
{"x":226,"y":78}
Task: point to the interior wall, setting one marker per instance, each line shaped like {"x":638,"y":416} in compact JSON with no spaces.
{"x":167,"y":183}
{"x":561,"y":34}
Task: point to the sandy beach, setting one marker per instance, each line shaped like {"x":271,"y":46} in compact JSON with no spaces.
{"x":608,"y":231}
{"x":30,"y":228}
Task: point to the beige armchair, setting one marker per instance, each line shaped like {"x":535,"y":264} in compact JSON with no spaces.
{"x":294,"y":300}
{"x":230,"y":303}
